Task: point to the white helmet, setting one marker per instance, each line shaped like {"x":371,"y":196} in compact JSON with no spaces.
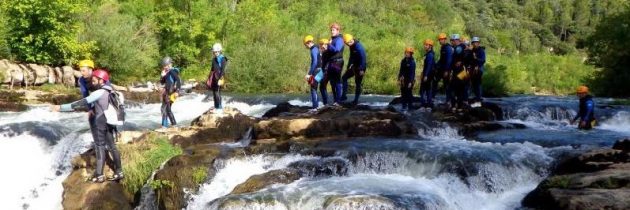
{"x":217,"y":47}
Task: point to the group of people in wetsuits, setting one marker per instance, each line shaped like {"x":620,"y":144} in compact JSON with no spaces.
{"x":326,"y":67}
{"x":460,"y":67}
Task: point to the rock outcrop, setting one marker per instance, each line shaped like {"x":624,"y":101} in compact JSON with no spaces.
{"x":599,"y":179}
{"x":81,"y":194}
{"x":260,"y":181}
{"x":16,"y":74}
{"x":331,"y":122}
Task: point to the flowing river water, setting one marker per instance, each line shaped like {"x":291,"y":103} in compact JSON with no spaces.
{"x":438,"y":169}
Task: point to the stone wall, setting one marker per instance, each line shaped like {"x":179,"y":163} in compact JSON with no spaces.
{"x":34,"y":74}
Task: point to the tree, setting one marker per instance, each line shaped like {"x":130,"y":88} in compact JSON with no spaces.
{"x":608,"y":49}
{"x":45,"y":31}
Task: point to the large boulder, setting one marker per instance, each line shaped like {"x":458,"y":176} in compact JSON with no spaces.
{"x":81,"y":194}
{"x":40,"y":73}
{"x":599,"y":179}
{"x":68,"y":75}
{"x":260,"y":181}
{"x":333,"y":122}
{"x":212,"y":128}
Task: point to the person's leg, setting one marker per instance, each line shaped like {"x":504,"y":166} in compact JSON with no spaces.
{"x":322,"y":89}
{"x":314,"y":99}
{"x":164,"y":111}
{"x":113,"y":151}
{"x":99,"y":148}
{"x":335,"y":83}
{"x":347,"y":75}
{"x":436,"y":80}
{"x":169,"y":111}
{"x":403,"y":96}
{"x":358,"y":85}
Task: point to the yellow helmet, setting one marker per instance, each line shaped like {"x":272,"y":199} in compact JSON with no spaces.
{"x":86,"y":63}
{"x":323,"y":41}
{"x":428,"y":42}
{"x":442,"y":36}
{"x":308,"y":38}
{"x":347,"y":38}
{"x":582,"y":89}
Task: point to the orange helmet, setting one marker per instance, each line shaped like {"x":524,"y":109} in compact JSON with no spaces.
{"x":582,"y":89}
{"x":409,"y":50}
{"x":442,"y":36}
{"x":428,"y":42}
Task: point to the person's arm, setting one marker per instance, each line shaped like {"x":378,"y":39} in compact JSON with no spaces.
{"x":481,"y":57}
{"x":314,"y":54}
{"x":83,"y":103}
{"x":335,"y":46}
{"x":401,"y":69}
{"x":362,"y":59}
{"x":590,"y":105}
{"x":224,"y":63}
{"x":428,"y":65}
{"x":412,"y":69}
{"x":448,"y":58}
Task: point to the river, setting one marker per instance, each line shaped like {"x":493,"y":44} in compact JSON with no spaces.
{"x":438,"y":169}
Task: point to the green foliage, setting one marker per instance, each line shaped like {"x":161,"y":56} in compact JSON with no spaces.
{"x":5,"y":49}
{"x":129,"y":50}
{"x":200,"y":174}
{"x":45,"y":31}
{"x":531,"y":44}
{"x":608,"y":49}
{"x":142,"y":158}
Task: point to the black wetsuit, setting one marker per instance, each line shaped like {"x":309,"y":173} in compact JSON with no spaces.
{"x":172,"y":84}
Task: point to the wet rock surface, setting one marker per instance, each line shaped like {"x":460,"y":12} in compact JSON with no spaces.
{"x":599,"y":179}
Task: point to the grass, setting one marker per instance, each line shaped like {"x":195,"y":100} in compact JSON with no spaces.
{"x":58,"y":89}
{"x":140,"y":159}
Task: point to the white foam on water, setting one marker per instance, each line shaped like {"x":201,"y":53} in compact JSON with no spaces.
{"x":620,"y":122}
{"x":236,"y":171}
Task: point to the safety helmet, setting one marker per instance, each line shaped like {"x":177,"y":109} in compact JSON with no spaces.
{"x":442,"y":36}
{"x":454,"y":36}
{"x":102,"y":74}
{"x":582,"y":89}
{"x":217,"y":47}
{"x":86,"y":63}
{"x":166,"y":61}
{"x":335,"y":25}
{"x":323,"y":41}
{"x":308,"y":38}
{"x":428,"y":42}
{"x":409,"y":50}
{"x":475,"y":39}
{"x":347,"y":38}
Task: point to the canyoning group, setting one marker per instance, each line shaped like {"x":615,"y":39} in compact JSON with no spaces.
{"x":459,"y":68}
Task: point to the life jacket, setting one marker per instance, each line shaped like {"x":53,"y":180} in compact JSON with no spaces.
{"x":338,"y":55}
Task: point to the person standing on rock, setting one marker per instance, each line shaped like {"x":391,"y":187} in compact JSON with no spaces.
{"x":479,"y":54}
{"x":215,"y":79}
{"x":458,"y":75}
{"x":443,"y":67}
{"x":406,"y":78}
{"x":426,"y":88}
{"x":325,"y":59}
{"x":335,"y":64}
{"x":586,"y":113}
{"x":314,"y":74}
{"x":357,"y":64}
{"x":172,"y":84}
{"x":102,"y":133}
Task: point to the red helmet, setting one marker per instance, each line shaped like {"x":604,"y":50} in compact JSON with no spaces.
{"x":102,"y":74}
